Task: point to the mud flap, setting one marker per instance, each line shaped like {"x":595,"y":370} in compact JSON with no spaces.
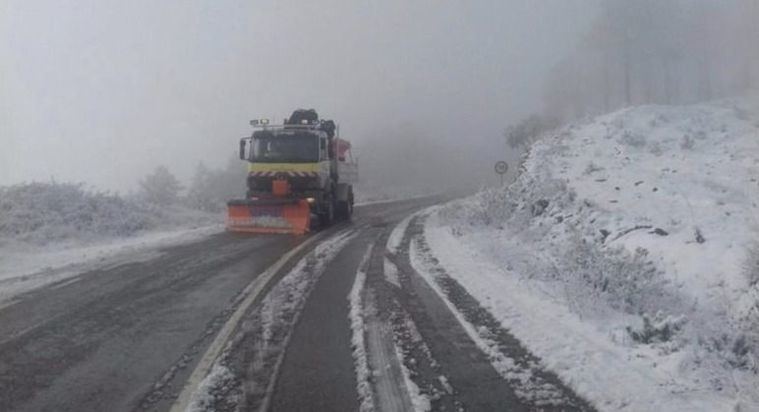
{"x":269,"y":216}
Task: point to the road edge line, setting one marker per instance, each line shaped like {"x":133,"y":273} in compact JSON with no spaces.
{"x":252,"y":291}
{"x":359,"y":349}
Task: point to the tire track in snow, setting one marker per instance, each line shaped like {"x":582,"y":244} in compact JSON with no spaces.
{"x":390,"y":347}
{"x":252,"y":358}
{"x":358,"y":327}
{"x":533,"y":385}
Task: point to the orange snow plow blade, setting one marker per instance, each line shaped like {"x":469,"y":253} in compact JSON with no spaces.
{"x":269,"y":216}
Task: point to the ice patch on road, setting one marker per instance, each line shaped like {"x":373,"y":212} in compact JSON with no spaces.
{"x":360,"y":360}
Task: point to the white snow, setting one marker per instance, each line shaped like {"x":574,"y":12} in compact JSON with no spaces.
{"x":24,"y":267}
{"x":391,"y":272}
{"x":203,"y":398}
{"x":419,"y":401}
{"x":280,"y":308}
{"x":356,"y":317}
{"x":524,"y":382}
{"x":396,"y":235}
{"x":622,"y":256}
{"x":372,"y":194}
{"x":53,"y":231}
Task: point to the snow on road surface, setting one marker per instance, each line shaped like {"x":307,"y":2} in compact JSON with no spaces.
{"x":24,"y":267}
{"x":266,"y":334}
{"x":356,"y":317}
{"x":625,"y":256}
{"x":53,"y":231}
{"x":396,"y":236}
{"x":524,"y":382}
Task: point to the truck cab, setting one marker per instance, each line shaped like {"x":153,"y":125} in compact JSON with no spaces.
{"x":302,"y":159}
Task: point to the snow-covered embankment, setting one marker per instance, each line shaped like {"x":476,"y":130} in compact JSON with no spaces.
{"x":625,"y":255}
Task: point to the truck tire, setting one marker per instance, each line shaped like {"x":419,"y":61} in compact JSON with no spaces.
{"x":344,"y":210}
{"x":328,"y":216}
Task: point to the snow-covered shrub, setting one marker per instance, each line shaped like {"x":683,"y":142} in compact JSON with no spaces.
{"x":636,"y":225}
{"x":657,"y":330}
{"x":483,"y":210}
{"x":740,"y":353}
{"x":47,"y":212}
{"x":629,"y":283}
{"x":44,"y":213}
{"x":687,"y":142}
{"x":160,"y":187}
{"x":633,"y":139}
{"x":751,"y":265}
{"x":746,"y":347}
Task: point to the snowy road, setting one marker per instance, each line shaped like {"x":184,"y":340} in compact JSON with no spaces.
{"x":350,"y":320}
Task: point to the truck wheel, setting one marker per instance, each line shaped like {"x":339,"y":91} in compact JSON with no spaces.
{"x":344,"y":209}
{"x":328,"y":216}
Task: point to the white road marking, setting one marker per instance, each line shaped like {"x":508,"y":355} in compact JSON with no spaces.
{"x":356,"y":317}
{"x":251,"y":292}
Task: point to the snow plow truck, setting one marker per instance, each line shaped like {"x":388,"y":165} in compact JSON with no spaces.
{"x":296,"y":170}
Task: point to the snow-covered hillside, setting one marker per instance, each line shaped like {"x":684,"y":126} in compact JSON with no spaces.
{"x":626,"y":255}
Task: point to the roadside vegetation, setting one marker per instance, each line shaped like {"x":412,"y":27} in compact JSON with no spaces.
{"x":641,"y":223}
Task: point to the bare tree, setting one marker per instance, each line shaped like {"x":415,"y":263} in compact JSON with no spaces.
{"x":652,"y":51}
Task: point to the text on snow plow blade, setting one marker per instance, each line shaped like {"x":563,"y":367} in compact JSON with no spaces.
{"x":295,"y":170}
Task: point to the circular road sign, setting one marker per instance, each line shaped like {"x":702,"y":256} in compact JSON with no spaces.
{"x":501,"y":167}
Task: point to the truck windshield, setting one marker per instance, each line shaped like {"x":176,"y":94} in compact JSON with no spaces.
{"x":295,"y":148}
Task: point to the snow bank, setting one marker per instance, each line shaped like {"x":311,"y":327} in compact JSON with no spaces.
{"x":25,"y":267}
{"x":51,"y":231}
{"x":639,"y":229}
{"x":46,"y":213}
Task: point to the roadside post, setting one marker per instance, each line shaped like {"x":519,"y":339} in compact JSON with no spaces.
{"x":501,"y":168}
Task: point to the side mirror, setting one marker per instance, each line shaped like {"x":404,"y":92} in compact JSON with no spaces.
{"x":242,"y":149}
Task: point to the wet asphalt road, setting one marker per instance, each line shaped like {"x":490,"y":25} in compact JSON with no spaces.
{"x":128,"y":337}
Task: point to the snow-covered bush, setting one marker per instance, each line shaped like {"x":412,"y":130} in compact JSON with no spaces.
{"x":160,"y":187}
{"x":47,"y":212}
{"x":638,"y":222}
{"x":626,"y":282}
{"x":751,"y":265}
{"x":658,"y":329}
{"x":44,"y":213}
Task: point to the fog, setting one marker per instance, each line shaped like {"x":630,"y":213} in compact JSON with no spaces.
{"x":103,"y":91}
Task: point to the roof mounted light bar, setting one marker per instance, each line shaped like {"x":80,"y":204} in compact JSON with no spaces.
{"x":259,"y":122}
{"x":264,"y":123}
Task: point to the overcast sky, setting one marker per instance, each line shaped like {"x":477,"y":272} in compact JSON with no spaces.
{"x":102,"y":91}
